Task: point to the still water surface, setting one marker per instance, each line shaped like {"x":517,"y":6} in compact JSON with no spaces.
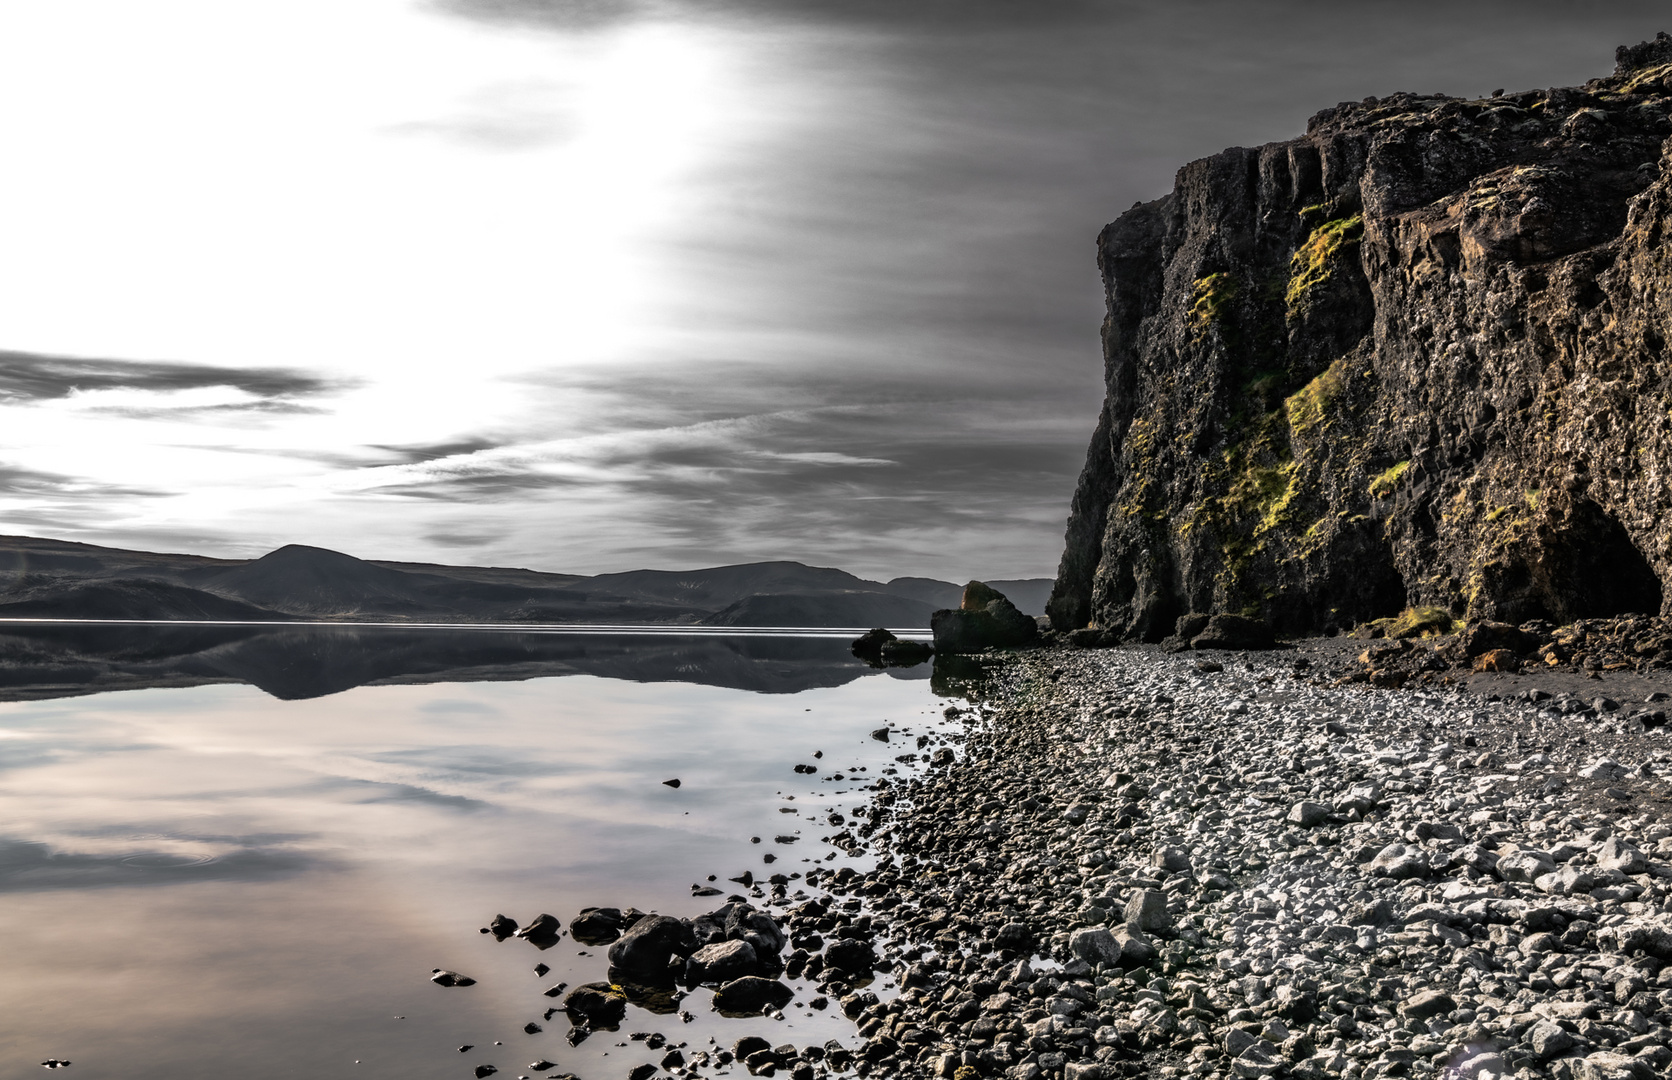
{"x":207,"y":880}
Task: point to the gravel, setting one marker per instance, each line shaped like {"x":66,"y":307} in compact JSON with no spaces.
{"x":1206,"y":865}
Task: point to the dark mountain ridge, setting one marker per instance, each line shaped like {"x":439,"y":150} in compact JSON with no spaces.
{"x":42,"y":578}
{"x":1414,"y":357}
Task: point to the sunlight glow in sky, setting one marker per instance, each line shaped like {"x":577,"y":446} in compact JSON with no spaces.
{"x":417,"y":209}
{"x":623,"y":283}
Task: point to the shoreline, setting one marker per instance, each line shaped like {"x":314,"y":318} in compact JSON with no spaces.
{"x":1243,"y":873}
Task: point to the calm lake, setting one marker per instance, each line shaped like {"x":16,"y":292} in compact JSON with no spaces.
{"x":245,"y":857}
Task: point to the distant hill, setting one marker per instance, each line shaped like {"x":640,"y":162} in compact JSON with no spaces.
{"x":58,"y":579}
{"x":125,"y":598}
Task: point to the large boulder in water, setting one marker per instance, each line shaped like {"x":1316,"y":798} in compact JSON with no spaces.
{"x":749,"y":995}
{"x":651,"y":943}
{"x":542,"y":933}
{"x":722,"y":962}
{"x":868,"y":646}
{"x":597,"y":926}
{"x":598,"y":1005}
{"x":744,"y":923}
{"x":985,"y":619}
{"x":881,"y":648}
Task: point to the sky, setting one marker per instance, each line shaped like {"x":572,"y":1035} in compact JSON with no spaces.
{"x":595,"y":285}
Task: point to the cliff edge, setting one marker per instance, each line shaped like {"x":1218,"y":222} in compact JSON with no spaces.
{"x":1415,"y":357}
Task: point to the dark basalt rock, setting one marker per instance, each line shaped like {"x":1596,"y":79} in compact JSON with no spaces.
{"x":984,"y":620}
{"x":1233,"y":632}
{"x":651,"y":943}
{"x":868,"y":646}
{"x":744,"y":923}
{"x":596,"y":1005}
{"x":1415,"y":358}
{"x":721,"y":962}
{"x":596,"y":926}
{"x":749,"y":995}
{"x":852,"y":958}
{"x":542,"y":933}
{"x":902,"y":653}
{"x":881,"y":648}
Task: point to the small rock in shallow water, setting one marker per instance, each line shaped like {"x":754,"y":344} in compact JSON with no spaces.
{"x":542,"y":933}
{"x":485,"y":1070}
{"x":541,"y":970}
{"x":672,"y":783}
{"x":450,"y":978}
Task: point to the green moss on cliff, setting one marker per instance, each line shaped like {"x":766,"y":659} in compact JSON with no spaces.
{"x":1209,"y":298}
{"x":1310,"y":406}
{"x":1384,"y":485}
{"x":1418,"y":622}
{"x":1315,"y":261}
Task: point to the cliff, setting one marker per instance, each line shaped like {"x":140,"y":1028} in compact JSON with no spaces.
{"x":1417,"y":356}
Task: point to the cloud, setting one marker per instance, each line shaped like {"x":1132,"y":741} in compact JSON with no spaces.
{"x":454,"y":539}
{"x":594,"y":14}
{"x":410,"y":454}
{"x":16,"y":481}
{"x":27,"y":865}
{"x":33,"y":377}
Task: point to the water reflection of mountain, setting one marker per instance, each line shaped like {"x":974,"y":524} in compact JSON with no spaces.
{"x":48,"y":661}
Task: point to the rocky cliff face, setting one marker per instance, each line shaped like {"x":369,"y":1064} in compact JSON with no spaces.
{"x":1417,"y":356}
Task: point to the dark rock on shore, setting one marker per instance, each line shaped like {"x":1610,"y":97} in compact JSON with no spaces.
{"x":596,"y":1005}
{"x":1414,"y":358}
{"x":542,"y":933}
{"x":597,"y":926}
{"x":1202,"y":631}
{"x":722,"y":961}
{"x":985,"y":619}
{"x":1561,"y":656}
{"x":882,"y":648}
{"x":651,"y":943}
{"x":749,"y":995}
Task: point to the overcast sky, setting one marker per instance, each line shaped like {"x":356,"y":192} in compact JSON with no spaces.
{"x":591,"y":285}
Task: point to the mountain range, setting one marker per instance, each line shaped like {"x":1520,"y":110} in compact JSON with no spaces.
{"x":52,"y":579}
